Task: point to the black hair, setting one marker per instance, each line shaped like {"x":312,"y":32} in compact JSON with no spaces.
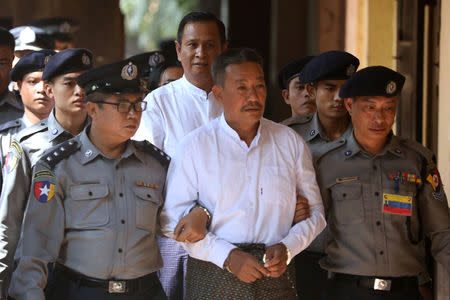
{"x":7,"y":39}
{"x":233,"y":57}
{"x":201,"y":16}
{"x":154,"y":78}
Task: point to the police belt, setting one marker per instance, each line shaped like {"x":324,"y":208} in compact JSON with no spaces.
{"x":112,"y":286}
{"x":378,"y":283}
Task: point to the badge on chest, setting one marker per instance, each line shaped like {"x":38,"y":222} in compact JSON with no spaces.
{"x":397,"y":204}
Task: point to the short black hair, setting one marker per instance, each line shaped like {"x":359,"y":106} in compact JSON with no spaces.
{"x":235,"y":56}
{"x":201,"y":16}
{"x":7,"y":39}
{"x":154,"y":78}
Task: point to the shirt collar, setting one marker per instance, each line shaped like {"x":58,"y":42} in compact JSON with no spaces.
{"x":235,"y":136}
{"x":54,"y":128}
{"x":193,"y":89}
{"x":393,"y":146}
{"x":89,"y":152}
{"x":26,"y":122}
{"x":316,"y":129}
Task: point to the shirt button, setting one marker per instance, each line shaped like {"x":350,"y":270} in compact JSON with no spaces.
{"x":374,"y":167}
{"x":377,"y":193}
{"x":120,"y":250}
{"x":121,"y":194}
{"x":122,"y":221}
{"x":117,"y":167}
{"x":378,"y":223}
{"x":381,"y":252}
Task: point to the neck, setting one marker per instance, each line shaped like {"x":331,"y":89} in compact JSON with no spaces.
{"x":105,"y":144}
{"x":373,"y":146}
{"x":205,"y":83}
{"x":246,"y":132}
{"x":334,"y":127}
{"x":72,"y":123}
{"x":34,"y":118}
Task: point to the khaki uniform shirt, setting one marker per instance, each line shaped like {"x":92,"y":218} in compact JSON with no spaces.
{"x":26,"y":149}
{"x":10,"y":108}
{"x":380,"y":207}
{"x":91,"y":213}
{"x":310,"y":129}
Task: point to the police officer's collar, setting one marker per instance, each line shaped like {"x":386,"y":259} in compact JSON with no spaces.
{"x":89,"y":151}
{"x":235,"y":136}
{"x":54,"y":128}
{"x":8,"y":98}
{"x":297,"y":120}
{"x":315,"y":129}
{"x":393,"y":146}
{"x":193,"y":89}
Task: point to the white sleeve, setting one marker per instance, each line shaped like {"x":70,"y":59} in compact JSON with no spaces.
{"x":152,"y":126}
{"x":304,"y":232}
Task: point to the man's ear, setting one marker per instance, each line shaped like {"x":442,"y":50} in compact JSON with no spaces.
{"x":217,"y":92}
{"x":91,"y":109}
{"x":178,"y":48}
{"x":348,"y":102}
{"x":225,"y":46}
{"x":285,"y":94}
{"x":311,"y":89}
{"x":48,"y":88}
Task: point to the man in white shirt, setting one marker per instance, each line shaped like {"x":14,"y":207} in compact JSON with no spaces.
{"x":246,"y":171}
{"x":179,"y":107}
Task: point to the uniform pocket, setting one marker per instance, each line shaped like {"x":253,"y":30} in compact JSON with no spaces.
{"x":148,"y":202}
{"x":88,"y":205}
{"x":348,"y":204}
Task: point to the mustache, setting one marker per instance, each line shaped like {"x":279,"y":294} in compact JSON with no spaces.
{"x":251,"y":104}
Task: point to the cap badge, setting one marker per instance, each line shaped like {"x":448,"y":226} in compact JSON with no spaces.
{"x":313,"y":132}
{"x":348,"y":153}
{"x":129,"y":72}
{"x":350,"y":70}
{"x":64,"y":27}
{"x":391,"y":87}
{"x":27,"y":35}
{"x":85,"y":59}
{"x":46,"y":59}
{"x":155,"y":59}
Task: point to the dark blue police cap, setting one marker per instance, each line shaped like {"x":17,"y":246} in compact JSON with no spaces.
{"x":116,"y":78}
{"x":31,"y":62}
{"x":60,"y":28}
{"x":31,"y":38}
{"x":68,"y":61}
{"x":373,"y":81}
{"x":331,"y":65}
{"x":147,"y":62}
{"x":292,"y":70}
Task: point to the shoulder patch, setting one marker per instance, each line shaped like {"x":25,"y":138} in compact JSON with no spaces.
{"x":26,"y":132}
{"x":10,"y":124}
{"x":13,"y":156}
{"x":157,"y":153}
{"x":56,"y":154}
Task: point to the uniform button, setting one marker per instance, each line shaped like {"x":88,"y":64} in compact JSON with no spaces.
{"x":117,"y":167}
{"x":378,"y":223}
{"x":374,"y":167}
{"x":121,"y":194}
{"x":149,"y":196}
{"x":122,"y":221}
{"x":377,"y":193}
{"x":381,"y":252}
{"x":344,"y":195}
{"x":120,"y":250}
{"x":90,"y":193}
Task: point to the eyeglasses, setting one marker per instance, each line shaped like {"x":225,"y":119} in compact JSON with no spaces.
{"x":125,"y":107}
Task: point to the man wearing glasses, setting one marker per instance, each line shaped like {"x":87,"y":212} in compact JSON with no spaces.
{"x":95,"y":203}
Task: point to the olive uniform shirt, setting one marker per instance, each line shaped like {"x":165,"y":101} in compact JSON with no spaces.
{"x":25,"y":150}
{"x":91,"y":213}
{"x":310,"y":129}
{"x":380,"y":207}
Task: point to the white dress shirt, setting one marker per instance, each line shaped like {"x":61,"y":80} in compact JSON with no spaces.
{"x":250,"y":191}
{"x":173,"y":111}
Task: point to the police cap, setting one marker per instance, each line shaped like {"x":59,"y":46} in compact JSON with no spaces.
{"x":31,"y":38}
{"x":292,"y":70}
{"x":31,"y":62}
{"x":116,"y":78}
{"x":60,"y":28}
{"x":330,"y":65}
{"x":147,"y":62}
{"x":373,"y":81}
{"x":68,"y":61}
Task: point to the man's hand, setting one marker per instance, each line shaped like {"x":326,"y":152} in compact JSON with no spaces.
{"x":192,"y":227}
{"x":276,"y":257}
{"x":245,"y":266}
{"x":301,"y":209}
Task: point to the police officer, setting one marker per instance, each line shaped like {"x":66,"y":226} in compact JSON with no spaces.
{"x":60,"y":29}
{"x":384,"y":194}
{"x":323,"y":131}
{"x":68,"y":119}
{"x":293,"y":92}
{"x":10,"y":107}
{"x":28,"y":74}
{"x":95,"y":203}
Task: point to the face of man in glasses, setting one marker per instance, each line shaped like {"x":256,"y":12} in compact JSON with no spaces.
{"x":114,"y":117}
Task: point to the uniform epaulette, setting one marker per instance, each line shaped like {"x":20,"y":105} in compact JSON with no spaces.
{"x":419,"y":148}
{"x":298,"y":120}
{"x":10,"y":124}
{"x":56,"y":154}
{"x":26,"y":132}
{"x":157,"y":153}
